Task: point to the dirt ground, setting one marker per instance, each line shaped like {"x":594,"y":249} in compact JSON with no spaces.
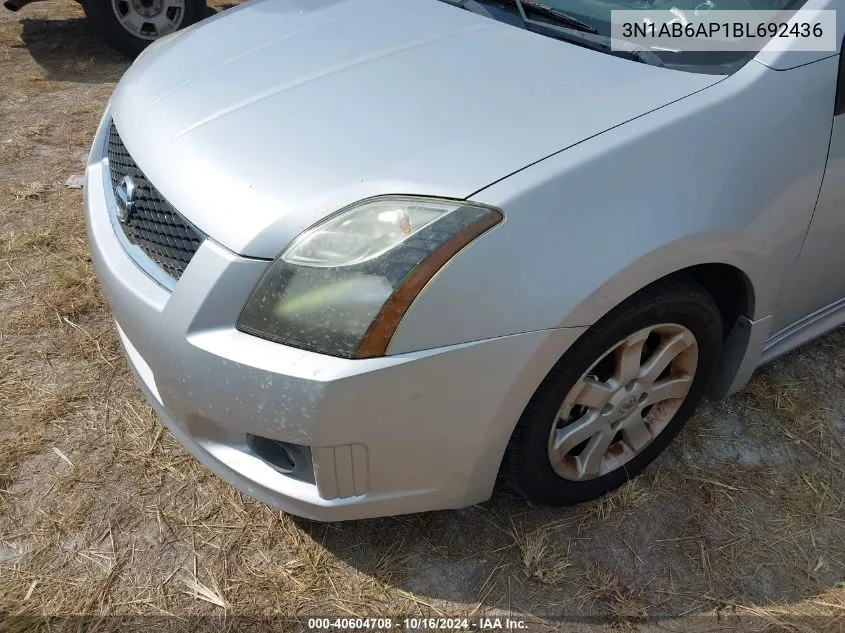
{"x":740,"y":526}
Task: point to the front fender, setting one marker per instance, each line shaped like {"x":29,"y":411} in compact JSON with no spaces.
{"x":732,"y":248}
{"x":727,"y":175}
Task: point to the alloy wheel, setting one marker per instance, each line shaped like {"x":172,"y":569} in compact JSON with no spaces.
{"x":623,"y":401}
{"x":149,"y":19}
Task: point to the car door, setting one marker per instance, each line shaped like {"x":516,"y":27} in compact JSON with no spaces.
{"x":817,"y":290}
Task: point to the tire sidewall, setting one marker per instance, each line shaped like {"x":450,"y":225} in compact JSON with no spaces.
{"x":537,"y":479}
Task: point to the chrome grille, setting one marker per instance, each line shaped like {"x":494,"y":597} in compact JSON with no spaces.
{"x":154,"y":225}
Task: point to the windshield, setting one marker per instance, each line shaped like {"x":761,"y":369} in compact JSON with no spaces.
{"x":588,"y":23}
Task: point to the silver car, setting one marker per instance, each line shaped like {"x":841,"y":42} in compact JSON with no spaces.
{"x":369,"y":257}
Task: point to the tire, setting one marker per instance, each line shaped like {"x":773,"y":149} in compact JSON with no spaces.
{"x":103,"y":18}
{"x":527,"y":466}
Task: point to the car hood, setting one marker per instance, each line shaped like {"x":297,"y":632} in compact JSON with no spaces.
{"x":270,"y":116}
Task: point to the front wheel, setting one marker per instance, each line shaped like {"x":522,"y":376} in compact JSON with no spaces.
{"x":618,"y":397}
{"x":131,"y":25}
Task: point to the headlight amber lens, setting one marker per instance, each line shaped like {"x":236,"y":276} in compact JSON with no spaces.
{"x":343,"y":286}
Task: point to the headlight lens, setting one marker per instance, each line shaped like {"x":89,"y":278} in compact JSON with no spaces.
{"x":343,"y":286}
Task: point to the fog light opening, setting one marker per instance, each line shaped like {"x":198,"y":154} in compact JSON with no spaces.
{"x":289,"y":459}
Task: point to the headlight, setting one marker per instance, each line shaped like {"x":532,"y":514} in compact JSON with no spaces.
{"x":343,"y":286}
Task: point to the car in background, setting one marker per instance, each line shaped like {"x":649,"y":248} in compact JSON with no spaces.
{"x":370,"y":257}
{"x":130,"y":26}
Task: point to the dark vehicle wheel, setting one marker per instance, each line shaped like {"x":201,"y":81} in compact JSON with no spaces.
{"x":618,"y":397}
{"x":131,"y":25}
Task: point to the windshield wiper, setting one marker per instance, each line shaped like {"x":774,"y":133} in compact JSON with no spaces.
{"x":565,"y":27}
{"x":538,"y":8}
{"x":556,"y":15}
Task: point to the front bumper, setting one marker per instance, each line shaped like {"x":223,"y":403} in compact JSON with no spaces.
{"x":391,"y":435}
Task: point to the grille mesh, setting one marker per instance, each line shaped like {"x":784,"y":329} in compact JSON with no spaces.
{"x":154,"y":225}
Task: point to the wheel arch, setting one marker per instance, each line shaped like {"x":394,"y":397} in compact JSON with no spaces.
{"x":730,"y":287}
{"x":730,"y":269}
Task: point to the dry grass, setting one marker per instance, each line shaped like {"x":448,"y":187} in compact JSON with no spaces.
{"x":628,"y":498}
{"x":25,"y":239}
{"x":739,"y":526}
{"x":541,"y":559}
{"x":27,"y":191}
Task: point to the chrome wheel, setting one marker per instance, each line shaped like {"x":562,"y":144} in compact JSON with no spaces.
{"x":149,"y":19}
{"x":622,"y":402}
